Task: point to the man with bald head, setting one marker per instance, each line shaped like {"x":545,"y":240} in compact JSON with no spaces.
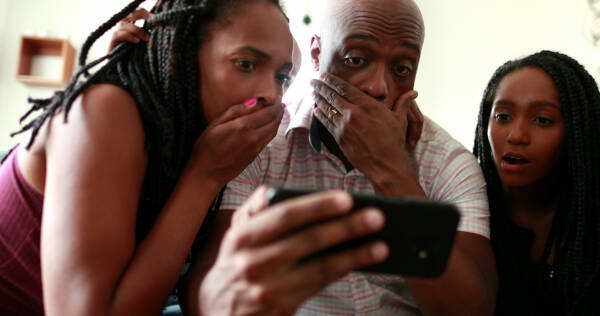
{"x":352,"y":135}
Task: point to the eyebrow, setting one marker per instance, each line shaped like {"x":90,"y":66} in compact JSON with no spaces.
{"x":375,"y":40}
{"x":534,"y":103}
{"x":256,"y":51}
{"x":287,"y":65}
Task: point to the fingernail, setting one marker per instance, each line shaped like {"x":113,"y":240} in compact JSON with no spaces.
{"x":374,"y":219}
{"x":379,"y":251}
{"x":283,"y":105}
{"x":343,"y":201}
{"x":250,"y":102}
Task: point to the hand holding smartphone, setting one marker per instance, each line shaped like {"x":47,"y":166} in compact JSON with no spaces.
{"x":419,"y":232}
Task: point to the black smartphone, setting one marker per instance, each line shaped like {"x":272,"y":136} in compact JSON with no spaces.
{"x":419,"y":232}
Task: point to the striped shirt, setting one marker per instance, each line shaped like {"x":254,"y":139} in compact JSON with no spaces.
{"x":446,"y":172}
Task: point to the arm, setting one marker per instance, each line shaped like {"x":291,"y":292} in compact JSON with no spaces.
{"x":96,"y":163}
{"x":469,"y":283}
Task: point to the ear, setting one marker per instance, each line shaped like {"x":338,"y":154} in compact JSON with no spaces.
{"x":315,"y":51}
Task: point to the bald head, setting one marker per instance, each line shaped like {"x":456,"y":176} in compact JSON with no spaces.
{"x":398,"y":14}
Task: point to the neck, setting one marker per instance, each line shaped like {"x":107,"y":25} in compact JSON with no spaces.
{"x":533,"y":205}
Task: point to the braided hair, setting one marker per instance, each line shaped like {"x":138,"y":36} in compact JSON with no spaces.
{"x":577,"y":221}
{"x":162,"y":77}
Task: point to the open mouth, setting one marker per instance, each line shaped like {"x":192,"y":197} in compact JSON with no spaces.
{"x":515,"y":159}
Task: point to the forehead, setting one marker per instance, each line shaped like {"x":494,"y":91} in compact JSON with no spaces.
{"x":386,"y":20}
{"x":271,"y":34}
{"x":527,"y":82}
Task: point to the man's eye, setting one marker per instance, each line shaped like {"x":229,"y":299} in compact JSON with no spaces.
{"x":403,"y":70}
{"x":354,"y":61}
{"x":246,"y":65}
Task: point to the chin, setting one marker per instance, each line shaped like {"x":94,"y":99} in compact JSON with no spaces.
{"x":516,"y":181}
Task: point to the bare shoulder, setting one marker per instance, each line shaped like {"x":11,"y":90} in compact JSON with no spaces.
{"x":102,"y":114}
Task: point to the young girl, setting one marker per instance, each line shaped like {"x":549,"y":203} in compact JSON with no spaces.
{"x":99,"y":209}
{"x":537,"y":144}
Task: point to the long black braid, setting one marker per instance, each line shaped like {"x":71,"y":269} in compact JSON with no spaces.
{"x":162,"y":76}
{"x":577,"y":222}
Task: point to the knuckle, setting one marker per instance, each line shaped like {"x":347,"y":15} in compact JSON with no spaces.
{"x":262,"y":295}
{"x":245,"y":265}
{"x":331,"y":98}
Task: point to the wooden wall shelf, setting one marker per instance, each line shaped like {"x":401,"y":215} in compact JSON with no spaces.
{"x":42,"y":46}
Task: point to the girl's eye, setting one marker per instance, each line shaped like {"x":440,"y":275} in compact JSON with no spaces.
{"x":402,"y":70}
{"x":246,"y":65}
{"x":543,"y":121}
{"x":354,"y":61}
{"x":500,"y":117}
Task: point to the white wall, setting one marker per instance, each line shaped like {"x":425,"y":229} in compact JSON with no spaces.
{"x":466,"y":40}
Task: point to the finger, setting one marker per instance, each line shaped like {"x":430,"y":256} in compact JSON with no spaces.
{"x":236,"y":111}
{"x":134,"y":29}
{"x":261,"y":136}
{"x":138,"y":14}
{"x":253,"y":205}
{"x":121,"y":36}
{"x":415,"y":124}
{"x":403,"y":102}
{"x":313,"y":239}
{"x":311,"y":277}
{"x":323,"y":118}
{"x":330,"y":96}
{"x":322,"y":111}
{"x":341,"y":87}
{"x":292,"y":214}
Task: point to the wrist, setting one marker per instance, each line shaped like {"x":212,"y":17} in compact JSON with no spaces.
{"x":397,"y":180}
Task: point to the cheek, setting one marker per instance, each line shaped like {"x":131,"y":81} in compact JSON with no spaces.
{"x":494,"y":137}
{"x":551,"y":147}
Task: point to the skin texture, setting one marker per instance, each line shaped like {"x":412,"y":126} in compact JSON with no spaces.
{"x":368,"y":55}
{"x":91,"y":169}
{"x":526,"y":121}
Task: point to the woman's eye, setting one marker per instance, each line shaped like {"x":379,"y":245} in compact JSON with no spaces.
{"x":284,"y":79}
{"x":543,"y":121}
{"x":354,"y":61}
{"x":246,"y":65}
{"x":500,"y":117}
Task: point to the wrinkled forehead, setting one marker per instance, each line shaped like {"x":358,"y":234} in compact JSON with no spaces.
{"x":390,"y":19}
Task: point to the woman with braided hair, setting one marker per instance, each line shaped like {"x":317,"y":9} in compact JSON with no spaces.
{"x":125,"y":162}
{"x":537,"y":143}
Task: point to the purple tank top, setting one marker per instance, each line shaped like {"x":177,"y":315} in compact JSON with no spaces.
{"x":20,"y":222}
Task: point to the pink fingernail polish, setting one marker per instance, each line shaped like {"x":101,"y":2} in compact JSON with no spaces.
{"x":283,"y":105}
{"x":250,"y":102}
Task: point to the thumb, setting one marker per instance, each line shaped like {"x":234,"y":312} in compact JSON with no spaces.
{"x":405,"y":100}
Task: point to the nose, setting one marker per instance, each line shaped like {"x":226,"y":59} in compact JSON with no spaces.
{"x":269,"y":91}
{"x":519,"y":133}
{"x":376,"y":83}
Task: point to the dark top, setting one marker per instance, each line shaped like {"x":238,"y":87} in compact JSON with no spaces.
{"x":530,"y":288}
